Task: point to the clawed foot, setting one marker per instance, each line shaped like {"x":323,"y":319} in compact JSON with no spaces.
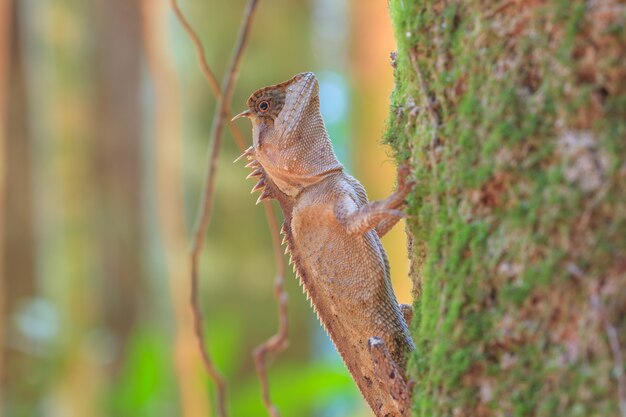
{"x":406,"y":184}
{"x":405,"y":177}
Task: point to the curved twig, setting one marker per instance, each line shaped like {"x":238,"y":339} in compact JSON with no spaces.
{"x":279,"y":341}
{"x":194,"y":399}
{"x":206,"y":202}
{"x":197,"y":43}
{"x":206,"y":70}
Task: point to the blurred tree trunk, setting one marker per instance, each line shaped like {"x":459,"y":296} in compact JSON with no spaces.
{"x":19,"y":265}
{"x":17,"y":250}
{"x":168,"y":145}
{"x":6,"y":15}
{"x":117,"y":151}
{"x":514,"y":117}
{"x":56,"y":45}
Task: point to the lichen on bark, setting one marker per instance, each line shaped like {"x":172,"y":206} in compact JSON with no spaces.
{"x":513,"y":115}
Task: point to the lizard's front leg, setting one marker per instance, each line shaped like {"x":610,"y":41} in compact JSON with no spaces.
{"x":405,"y":186}
{"x":381,"y":215}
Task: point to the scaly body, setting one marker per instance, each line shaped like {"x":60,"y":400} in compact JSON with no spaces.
{"x":333,"y":236}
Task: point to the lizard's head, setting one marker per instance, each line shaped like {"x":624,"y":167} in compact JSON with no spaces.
{"x":289,"y":137}
{"x":276,"y":111}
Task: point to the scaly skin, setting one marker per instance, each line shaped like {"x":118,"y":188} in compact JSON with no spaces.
{"x":333,"y":237}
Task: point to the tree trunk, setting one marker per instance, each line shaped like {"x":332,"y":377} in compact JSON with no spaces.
{"x":117,"y":146}
{"x":65,"y":361}
{"x":513,"y":115}
{"x":17,"y":268}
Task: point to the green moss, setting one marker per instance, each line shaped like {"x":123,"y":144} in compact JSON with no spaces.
{"x":502,"y":321}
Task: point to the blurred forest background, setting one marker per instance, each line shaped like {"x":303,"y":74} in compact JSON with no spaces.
{"x":104,"y":125}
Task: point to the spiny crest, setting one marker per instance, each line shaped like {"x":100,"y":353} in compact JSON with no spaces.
{"x":305,"y":291}
{"x":285,"y":231}
{"x":257,"y":171}
{"x":266,"y":194}
{"x":259,"y":185}
{"x":248,"y":154}
{"x":254,"y":164}
{"x":317,"y":314}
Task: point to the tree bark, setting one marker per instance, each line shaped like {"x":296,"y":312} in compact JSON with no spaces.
{"x":513,"y":115}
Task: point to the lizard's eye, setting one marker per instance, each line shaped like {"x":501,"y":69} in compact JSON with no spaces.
{"x":263,"y":106}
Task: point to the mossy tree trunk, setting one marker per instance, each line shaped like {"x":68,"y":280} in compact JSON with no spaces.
{"x":513,"y":115}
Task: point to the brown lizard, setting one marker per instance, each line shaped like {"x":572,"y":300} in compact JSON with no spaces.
{"x":333,"y":236}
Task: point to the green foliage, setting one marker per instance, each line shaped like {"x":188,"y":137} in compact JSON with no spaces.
{"x":515,"y":241}
{"x":312,"y":387}
{"x":147,"y":385}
